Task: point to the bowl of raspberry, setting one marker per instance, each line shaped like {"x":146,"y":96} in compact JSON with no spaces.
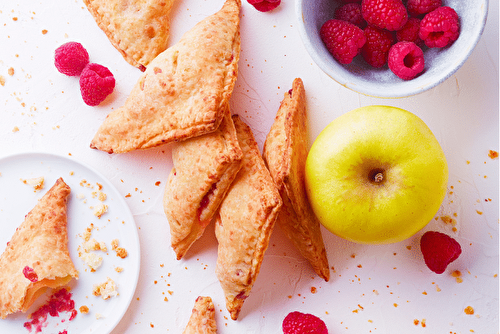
{"x":390,"y":48}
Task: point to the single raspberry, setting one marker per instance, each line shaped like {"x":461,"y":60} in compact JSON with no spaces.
{"x":264,"y":5}
{"x":350,"y":12}
{"x":377,"y":46}
{"x":440,"y":28}
{"x":439,"y":250}
{"x":344,"y":40}
{"x":301,"y":323}
{"x":385,"y":14}
{"x":419,"y":7}
{"x":71,"y":58}
{"x":409,"y":32}
{"x":96,"y":83}
{"x":406,"y":60}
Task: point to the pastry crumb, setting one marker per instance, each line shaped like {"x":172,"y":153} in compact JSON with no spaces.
{"x":94,"y":245}
{"x":85,"y":250}
{"x":84,"y":309}
{"x":458,"y":276}
{"x":493,"y":154}
{"x":100,"y":209}
{"x":106,"y":289}
{"x":93,"y":260}
{"x":37,"y":182}
{"x":469,"y":310}
{"x":120,"y":251}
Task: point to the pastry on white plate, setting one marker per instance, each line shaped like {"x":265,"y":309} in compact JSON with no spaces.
{"x":37,"y":256}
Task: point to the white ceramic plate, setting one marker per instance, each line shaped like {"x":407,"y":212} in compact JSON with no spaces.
{"x":18,"y":198}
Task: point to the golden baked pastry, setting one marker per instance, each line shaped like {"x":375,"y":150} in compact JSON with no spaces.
{"x":183,"y":91}
{"x":37,"y":256}
{"x":285,"y":152}
{"x":245,"y":222}
{"x":202,"y":320}
{"x":138,"y":29}
{"x":203,"y":170}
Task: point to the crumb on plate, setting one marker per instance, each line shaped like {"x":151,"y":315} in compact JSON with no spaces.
{"x":106,"y":289}
{"x":100,"y":209}
{"x":120,"y":251}
{"x":37,"y":182}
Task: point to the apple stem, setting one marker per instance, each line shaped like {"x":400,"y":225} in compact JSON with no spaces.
{"x":379,"y":177}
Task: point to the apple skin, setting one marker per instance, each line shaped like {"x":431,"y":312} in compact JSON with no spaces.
{"x":341,"y":168}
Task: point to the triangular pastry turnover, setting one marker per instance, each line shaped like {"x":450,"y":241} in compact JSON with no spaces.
{"x":183,"y":91}
{"x":37,"y":256}
{"x":285,"y":152}
{"x":139,"y":29}
{"x":202,"y":320}
{"x":204,"y":168}
{"x":246,"y":219}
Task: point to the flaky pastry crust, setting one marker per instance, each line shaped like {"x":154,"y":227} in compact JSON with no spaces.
{"x":204,"y":168}
{"x":285,"y":153}
{"x":138,"y":29}
{"x":246,"y":219}
{"x":41,"y":244}
{"x":202,"y":320}
{"x":183,"y":91}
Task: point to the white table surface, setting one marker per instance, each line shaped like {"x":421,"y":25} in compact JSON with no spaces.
{"x":373,"y":289}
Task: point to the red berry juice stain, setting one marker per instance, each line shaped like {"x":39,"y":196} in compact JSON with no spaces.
{"x":59,"y":302}
{"x":30,"y":274}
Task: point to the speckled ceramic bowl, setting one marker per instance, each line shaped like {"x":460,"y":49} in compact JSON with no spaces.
{"x":440,"y":64}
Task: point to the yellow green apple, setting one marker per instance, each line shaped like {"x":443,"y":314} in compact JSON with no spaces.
{"x":376,"y":175}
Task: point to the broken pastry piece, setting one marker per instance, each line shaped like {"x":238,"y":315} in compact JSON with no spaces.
{"x":183,"y":91}
{"x":202,"y":320}
{"x":285,"y":153}
{"x":203,"y":170}
{"x":37,"y":256}
{"x":245,"y":222}
{"x":138,"y":29}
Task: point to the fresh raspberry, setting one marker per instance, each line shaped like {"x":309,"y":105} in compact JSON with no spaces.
{"x":409,"y":32}
{"x":350,"y":12}
{"x":301,"y":323}
{"x":71,"y":58}
{"x":264,"y":5}
{"x":439,"y":250}
{"x":377,"y":46}
{"x":344,"y":40}
{"x":440,"y":28}
{"x":96,"y":83}
{"x":406,"y":60}
{"x":385,"y":14}
{"x":419,"y":7}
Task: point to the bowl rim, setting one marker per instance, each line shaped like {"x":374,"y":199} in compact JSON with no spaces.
{"x":383,"y":91}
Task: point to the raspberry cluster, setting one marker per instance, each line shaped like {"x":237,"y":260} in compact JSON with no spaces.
{"x":390,"y":32}
{"x":96,"y":81}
